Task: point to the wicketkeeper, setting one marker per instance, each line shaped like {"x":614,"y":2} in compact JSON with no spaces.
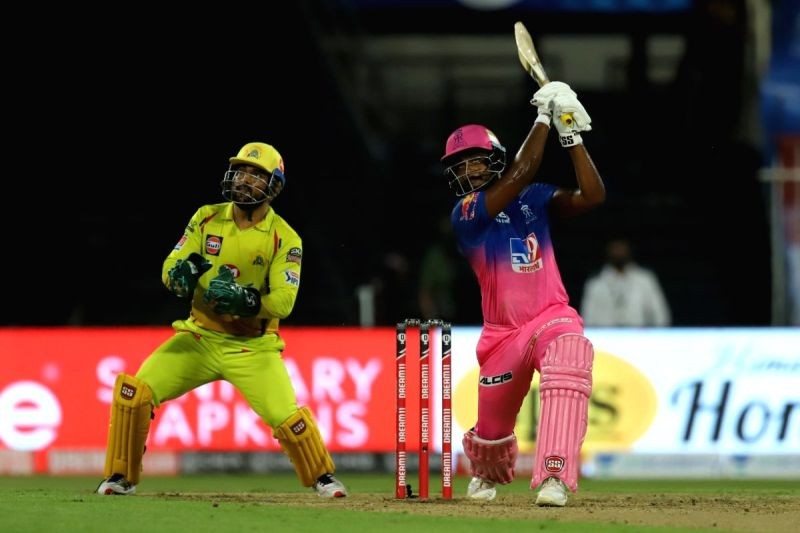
{"x":239,"y":263}
{"x":502,"y":224}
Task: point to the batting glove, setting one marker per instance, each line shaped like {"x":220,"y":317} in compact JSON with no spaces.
{"x":230,"y":298}
{"x":569,"y":134}
{"x":184,"y":275}
{"x":544,"y":96}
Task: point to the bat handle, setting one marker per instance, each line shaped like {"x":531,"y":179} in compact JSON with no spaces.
{"x":566,"y":119}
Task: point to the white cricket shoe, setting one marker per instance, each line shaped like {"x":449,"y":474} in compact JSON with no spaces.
{"x":116,"y":485}
{"x":328,"y":486}
{"x":481,"y":489}
{"x":553,"y":493}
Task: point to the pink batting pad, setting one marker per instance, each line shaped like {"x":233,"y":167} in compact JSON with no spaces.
{"x":492,"y":460}
{"x":565,"y":387}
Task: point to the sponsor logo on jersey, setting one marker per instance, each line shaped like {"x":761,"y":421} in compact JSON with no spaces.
{"x":491,"y":381}
{"x":295,"y":255}
{"x":502,"y":218}
{"x":213,"y":244}
{"x":526,"y":257}
{"x":181,"y":242}
{"x":554,"y":463}
{"x":468,"y":206}
{"x":291,"y":277}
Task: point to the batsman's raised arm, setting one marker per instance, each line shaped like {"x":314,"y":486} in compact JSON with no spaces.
{"x":591,"y":191}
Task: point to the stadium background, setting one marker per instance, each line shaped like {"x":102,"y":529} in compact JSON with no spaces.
{"x":118,"y":130}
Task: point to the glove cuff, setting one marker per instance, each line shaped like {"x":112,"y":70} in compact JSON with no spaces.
{"x":544,"y":118}
{"x":570,"y":139}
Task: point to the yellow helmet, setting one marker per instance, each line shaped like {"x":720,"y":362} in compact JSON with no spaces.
{"x":261,"y":155}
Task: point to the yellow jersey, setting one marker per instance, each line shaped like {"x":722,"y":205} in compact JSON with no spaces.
{"x":266,"y":256}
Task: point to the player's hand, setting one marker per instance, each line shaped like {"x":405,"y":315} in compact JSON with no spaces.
{"x":184,"y":275}
{"x":543,"y":98}
{"x":230,"y":298}
{"x":569,"y":135}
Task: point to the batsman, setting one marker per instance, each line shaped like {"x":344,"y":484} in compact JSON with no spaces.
{"x":239,"y":264}
{"x":502,"y":226}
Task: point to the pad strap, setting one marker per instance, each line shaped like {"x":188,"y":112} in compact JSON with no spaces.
{"x":302,"y":442}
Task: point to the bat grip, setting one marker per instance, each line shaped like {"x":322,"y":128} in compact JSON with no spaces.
{"x":566,"y":119}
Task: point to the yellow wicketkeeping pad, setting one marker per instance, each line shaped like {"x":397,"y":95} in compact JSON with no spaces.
{"x":131,"y":410}
{"x":302,"y":442}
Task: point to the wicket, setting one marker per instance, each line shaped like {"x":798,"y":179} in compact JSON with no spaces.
{"x":402,"y":489}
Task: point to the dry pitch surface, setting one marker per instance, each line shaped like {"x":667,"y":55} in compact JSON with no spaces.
{"x":753,"y":513}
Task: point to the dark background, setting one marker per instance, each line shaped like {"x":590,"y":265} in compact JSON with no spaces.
{"x":116,"y":132}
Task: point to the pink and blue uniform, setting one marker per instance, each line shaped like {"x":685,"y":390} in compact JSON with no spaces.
{"x":528,"y":326}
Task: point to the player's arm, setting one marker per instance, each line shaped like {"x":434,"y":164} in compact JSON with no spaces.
{"x":184,"y":265}
{"x":521,"y":171}
{"x":526,"y":163}
{"x":284,"y":279}
{"x":591,"y":191}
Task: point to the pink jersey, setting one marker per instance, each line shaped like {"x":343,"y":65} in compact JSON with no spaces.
{"x":511,"y":254}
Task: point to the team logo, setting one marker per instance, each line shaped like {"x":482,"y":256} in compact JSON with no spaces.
{"x":528,"y":213}
{"x":526,"y":257}
{"x":127,"y":391}
{"x":258,"y":261}
{"x":295,"y":255}
{"x":554,"y":463}
{"x":458,"y":139}
{"x":491,"y":381}
{"x":213,"y":244}
{"x":181,"y":242}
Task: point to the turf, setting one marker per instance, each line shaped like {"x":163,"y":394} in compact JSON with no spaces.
{"x":276,"y":502}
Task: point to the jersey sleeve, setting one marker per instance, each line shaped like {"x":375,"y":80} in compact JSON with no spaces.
{"x":470,"y":220}
{"x":539,"y":194}
{"x":284,"y":278}
{"x":190,"y":242}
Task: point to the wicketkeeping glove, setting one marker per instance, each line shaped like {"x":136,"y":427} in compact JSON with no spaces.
{"x":184,"y":275}
{"x":230,"y":297}
{"x":569,"y":135}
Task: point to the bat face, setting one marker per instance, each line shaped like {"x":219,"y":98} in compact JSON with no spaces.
{"x":528,"y":56}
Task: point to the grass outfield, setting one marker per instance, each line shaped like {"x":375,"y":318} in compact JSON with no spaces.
{"x":276,"y":502}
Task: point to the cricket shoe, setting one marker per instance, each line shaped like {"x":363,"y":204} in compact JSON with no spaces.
{"x":552,"y":494}
{"x":328,"y":486}
{"x":116,"y":485}
{"x":481,"y":489}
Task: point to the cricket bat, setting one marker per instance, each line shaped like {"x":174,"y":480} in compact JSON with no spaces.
{"x":531,"y":63}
